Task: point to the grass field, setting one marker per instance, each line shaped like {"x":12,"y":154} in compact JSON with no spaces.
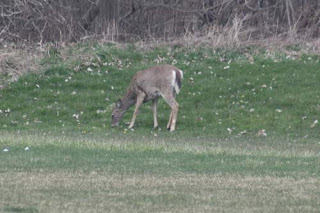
{"x":247,"y":137}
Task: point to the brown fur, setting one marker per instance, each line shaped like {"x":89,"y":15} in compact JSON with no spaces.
{"x":148,"y":85}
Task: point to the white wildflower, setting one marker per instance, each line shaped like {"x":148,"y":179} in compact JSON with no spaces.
{"x":226,"y":67}
{"x":76,"y":116}
{"x":101,"y":111}
{"x":243,"y":132}
{"x":314,"y":123}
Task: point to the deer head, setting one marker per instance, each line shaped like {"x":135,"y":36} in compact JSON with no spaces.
{"x":117,"y":113}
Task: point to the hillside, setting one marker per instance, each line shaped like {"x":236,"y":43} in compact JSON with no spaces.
{"x":247,"y":137}
{"x":224,"y":93}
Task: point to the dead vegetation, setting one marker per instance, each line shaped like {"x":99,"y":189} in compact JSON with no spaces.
{"x":16,"y":61}
{"x":28,"y":28}
{"x":189,"y":23}
{"x":134,"y":20}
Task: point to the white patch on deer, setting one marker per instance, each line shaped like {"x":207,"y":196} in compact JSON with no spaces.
{"x":174,"y":82}
{"x":181,"y":73}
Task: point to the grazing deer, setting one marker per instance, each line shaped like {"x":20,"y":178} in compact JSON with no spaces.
{"x":150,"y":84}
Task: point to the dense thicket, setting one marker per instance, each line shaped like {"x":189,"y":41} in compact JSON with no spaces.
{"x":124,"y":20}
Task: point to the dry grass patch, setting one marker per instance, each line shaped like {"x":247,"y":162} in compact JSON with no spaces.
{"x":16,"y":60}
{"x":101,"y":192}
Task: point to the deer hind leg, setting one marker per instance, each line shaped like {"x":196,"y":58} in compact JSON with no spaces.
{"x":154,"y":109}
{"x":140,"y":99}
{"x":170,"y":121}
{"x":174,"y":112}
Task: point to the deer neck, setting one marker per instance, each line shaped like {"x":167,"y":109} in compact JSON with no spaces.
{"x":128,"y":100}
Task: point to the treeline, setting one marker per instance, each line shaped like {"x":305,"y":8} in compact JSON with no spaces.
{"x":127,"y":20}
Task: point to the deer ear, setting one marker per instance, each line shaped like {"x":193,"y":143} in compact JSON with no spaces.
{"x":119,"y":103}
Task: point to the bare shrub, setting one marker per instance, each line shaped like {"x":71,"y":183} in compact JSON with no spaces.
{"x":126,"y":20}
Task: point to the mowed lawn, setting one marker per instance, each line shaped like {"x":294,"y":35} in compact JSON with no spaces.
{"x":97,"y":174}
{"x":247,"y":137}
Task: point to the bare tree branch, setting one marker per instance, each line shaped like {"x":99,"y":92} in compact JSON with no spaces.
{"x":91,"y":14}
{"x":70,"y":20}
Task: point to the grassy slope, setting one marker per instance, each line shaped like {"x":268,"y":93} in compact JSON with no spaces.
{"x":214,"y":161}
{"x":280,"y":97}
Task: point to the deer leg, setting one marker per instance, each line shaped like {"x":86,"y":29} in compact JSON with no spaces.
{"x":154,"y":109}
{"x":170,"y":120}
{"x":174,"y":112}
{"x":140,"y":99}
{"x":174,"y":117}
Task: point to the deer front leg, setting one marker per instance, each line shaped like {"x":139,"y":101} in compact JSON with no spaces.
{"x":154,"y":109}
{"x":140,"y":99}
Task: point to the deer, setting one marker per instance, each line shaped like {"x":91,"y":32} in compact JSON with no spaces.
{"x":148,"y":85}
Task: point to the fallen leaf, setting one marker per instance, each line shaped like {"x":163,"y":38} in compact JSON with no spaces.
{"x":262,"y":132}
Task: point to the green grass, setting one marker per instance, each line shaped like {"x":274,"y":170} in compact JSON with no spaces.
{"x":143,"y":157}
{"x":220,"y":90}
{"x":216,"y":160}
{"x":76,"y":173}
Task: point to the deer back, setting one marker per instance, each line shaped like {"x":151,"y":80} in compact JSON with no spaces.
{"x":156,"y":81}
